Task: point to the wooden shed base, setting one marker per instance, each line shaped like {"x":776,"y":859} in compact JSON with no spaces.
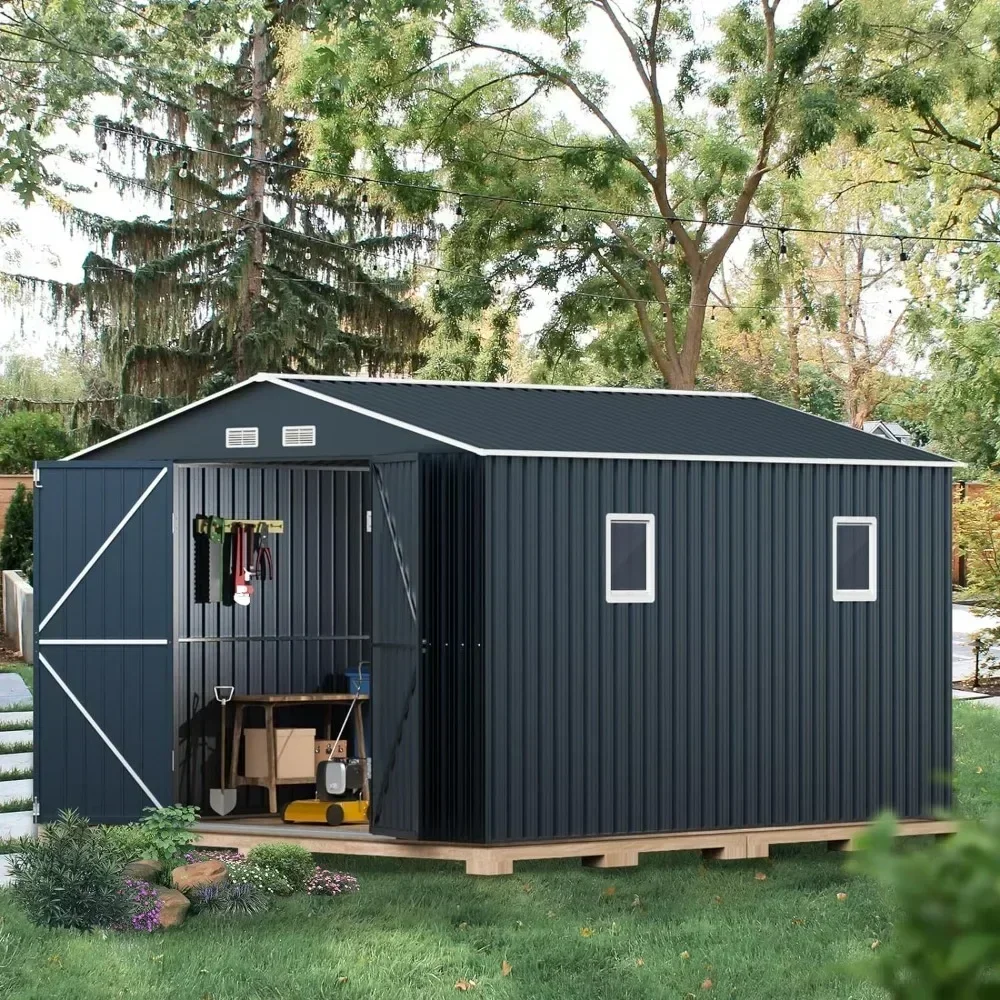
{"x":606,"y":852}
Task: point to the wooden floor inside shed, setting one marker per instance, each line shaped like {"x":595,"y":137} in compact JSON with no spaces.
{"x":605,"y":852}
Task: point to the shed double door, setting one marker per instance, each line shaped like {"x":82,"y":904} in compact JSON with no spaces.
{"x":103,"y":592}
{"x":397,"y":648}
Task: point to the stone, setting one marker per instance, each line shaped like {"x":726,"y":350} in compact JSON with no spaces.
{"x":173,"y":907}
{"x":145,"y":869}
{"x":188,"y":877}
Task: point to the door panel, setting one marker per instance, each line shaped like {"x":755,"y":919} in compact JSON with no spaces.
{"x":396,"y":647}
{"x":103,"y":562}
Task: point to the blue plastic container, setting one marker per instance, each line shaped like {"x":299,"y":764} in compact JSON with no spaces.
{"x":364,"y":680}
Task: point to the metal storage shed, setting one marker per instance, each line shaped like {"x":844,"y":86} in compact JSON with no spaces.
{"x":589,"y":612}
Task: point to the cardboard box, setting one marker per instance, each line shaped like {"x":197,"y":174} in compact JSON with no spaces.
{"x":323,"y":749}
{"x":296,"y":754}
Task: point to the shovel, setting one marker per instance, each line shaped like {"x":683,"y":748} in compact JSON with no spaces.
{"x":222,"y":800}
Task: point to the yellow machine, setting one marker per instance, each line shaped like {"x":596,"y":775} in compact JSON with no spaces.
{"x":328,"y":813}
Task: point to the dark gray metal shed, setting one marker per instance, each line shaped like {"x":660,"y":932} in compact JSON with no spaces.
{"x":588,"y":611}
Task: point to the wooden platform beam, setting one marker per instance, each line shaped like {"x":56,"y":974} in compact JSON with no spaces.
{"x":499,"y":859}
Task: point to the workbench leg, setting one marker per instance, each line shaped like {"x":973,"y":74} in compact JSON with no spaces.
{"x":235,"y":746}
{"x":272,"y":759}
{"x":359,"y":738}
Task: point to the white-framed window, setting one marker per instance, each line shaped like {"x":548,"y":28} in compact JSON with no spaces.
{"x":630,"y":558}
{"x":241,"y":437}
{"x":855,"y":558}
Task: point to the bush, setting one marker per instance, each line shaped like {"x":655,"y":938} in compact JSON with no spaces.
{"x":264,"y":878}
{"x":325,"y":883}
{"x":27,"y":437}
{"x":946,"y":939}
{"x":168,"y":832}
{"x":295,"y":864}
{"x":238,"y":899}
{"x":18,"y":532}
{"x":67,"y":878}
{"x":128,"y":842}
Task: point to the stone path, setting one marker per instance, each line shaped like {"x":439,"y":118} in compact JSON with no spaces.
{"x":13,"y":690}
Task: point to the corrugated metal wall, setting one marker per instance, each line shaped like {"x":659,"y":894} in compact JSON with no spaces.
{"x":397,"y":649}
{"x":744,"y":696}
{"x":453,"y":685}
{"x":303,"y":630}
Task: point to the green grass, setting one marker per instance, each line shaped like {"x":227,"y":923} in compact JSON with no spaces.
{"x":16,"y":774}
{"x":416,"y":928}
{"x":15,"y":805}
{"x":19,"y":706}
{"x":21,"y":746}
{"x":13,"y":727}
{"x":26,"y":670}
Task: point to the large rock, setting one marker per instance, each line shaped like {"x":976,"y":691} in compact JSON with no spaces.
{"x":146,"y":870}
{"x":189,"y":877}
{"x":173,"y":907}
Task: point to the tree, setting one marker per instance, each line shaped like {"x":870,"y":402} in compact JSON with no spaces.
{"x":248,"y":271}
{"x":18,"y":532}
{"x":429,"y":92}
{"x":26,"y":438}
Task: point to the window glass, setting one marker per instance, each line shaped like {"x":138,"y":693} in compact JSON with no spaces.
{"x":853,"y":555}
{"x":628,"y":555}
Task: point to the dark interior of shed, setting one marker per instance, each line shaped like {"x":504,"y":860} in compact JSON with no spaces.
{"x":305,"y":631}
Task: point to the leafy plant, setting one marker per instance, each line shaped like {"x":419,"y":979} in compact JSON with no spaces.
{"x":326,"y":883}
{"x":18,"y":532}
{"x":66,"y":878}
{"x":946,"y":940}
{"x":31,"y":436}
{"x":263,"y":877}
{"x":127,"y":842}
{"x":228,"y":897}
{"x":168,"y":831}
{"x":294,"y":863}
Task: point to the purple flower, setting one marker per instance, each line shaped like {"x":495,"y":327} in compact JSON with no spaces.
{"x":146,"y":906}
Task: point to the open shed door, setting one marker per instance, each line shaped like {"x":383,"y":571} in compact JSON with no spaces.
{"x":103,"y":568}
{"x":396,"y":647}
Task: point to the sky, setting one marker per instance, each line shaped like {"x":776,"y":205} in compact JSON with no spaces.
{"x":46,"y":250}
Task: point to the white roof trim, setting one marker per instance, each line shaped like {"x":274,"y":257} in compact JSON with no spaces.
{"x":165,"y":416}
{"x":513,"y":385}
{"x":288,"y":382}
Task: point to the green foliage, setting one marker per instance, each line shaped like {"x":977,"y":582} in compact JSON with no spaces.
{"x":18,"y":532}
{"x":946,"y":939}
{"x":66,"y":878}
{"x":27,"y":437}
{"x":126,"y":842}
{"x":168,"y":832}
{"x":263,"y":877}
{"x":293,"y":863}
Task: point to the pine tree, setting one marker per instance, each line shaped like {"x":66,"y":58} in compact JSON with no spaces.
{"x":251,"y":269}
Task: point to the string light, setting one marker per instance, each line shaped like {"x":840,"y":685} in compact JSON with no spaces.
{"x":364,"y":201}
{"x":308,"y":254}
{"x":563,"y":229}
{"x":903,"y":255}
{"x":183,"y":172}
{"x":783,"y":246}
{"x":458,"y":210}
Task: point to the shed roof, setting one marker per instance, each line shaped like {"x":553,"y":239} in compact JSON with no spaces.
{"x":527,"y":420}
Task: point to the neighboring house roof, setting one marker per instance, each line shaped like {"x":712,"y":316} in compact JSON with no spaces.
{"x":505,"y":419}
{"x":889,"y":429}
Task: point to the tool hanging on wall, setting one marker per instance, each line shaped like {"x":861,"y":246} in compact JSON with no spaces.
{"x":263,"y":564}
{"x":202,"y":555}
{"x":242,"y":575}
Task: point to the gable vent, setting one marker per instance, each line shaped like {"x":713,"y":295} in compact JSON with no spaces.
{"x":299,"y":437}
{"x":241,"y":437}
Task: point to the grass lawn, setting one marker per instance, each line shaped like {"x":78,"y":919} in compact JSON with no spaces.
{"x":26,"y":670}
{"x":415,"y":929}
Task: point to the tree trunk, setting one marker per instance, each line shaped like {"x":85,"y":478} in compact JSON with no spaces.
{"x":255,"y":197}
{"x":794,"y":359}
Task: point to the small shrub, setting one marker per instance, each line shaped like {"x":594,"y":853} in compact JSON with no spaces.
{"x":266,"y":879}
{"x":946,"y":938}
{"x":327,"y":883}
{"x":30,"y":436}
{"x":168,"y":832}
{"x":67,"y":878}
{"x":238,"y":899}
{"x":295,"y":864}
{"x":18,"y":532}
{"x":128,"y":842}
{"x":145,"y":906}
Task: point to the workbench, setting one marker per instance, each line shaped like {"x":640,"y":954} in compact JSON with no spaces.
{"x":268,"y":703}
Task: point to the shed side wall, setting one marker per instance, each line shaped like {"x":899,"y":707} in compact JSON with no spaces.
{"x":744,"y":696}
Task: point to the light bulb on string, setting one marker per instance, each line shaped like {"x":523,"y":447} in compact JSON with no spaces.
{"x":183,"y":172}
{"x":308,"y":254}
{"x":783,"y":245}
{"x":563,"y":229}
{"x":712,"y":317}
{"x":458,"y":210}
{"x":903,"y":255}
{"x":364,"y":200}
